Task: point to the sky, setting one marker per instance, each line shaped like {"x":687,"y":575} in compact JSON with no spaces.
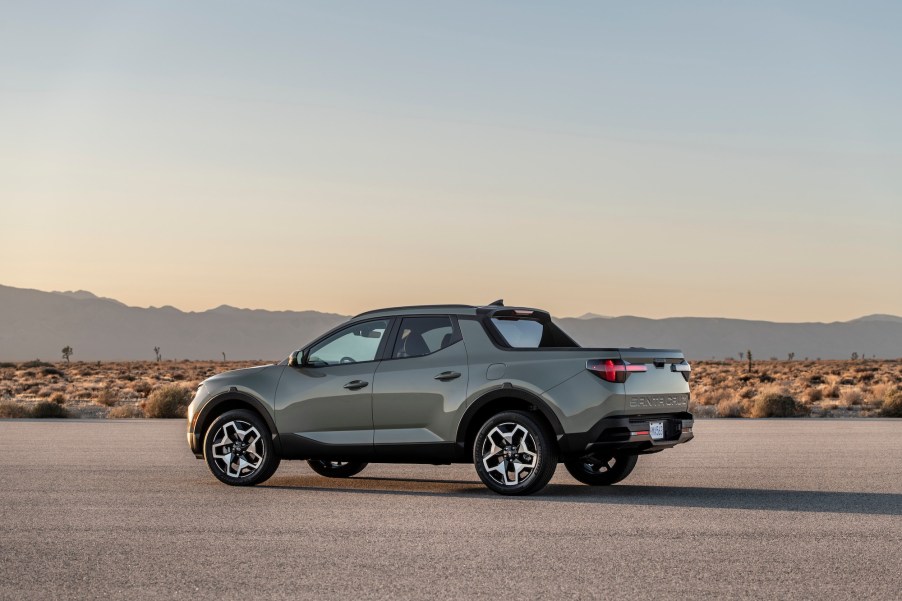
{"x":655,"y":158}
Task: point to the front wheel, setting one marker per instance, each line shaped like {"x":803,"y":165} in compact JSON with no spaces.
{"x":514,"y":454}
{"x":602,"y":471}
{"x":238,"y":449}
{"x":336,"y":469}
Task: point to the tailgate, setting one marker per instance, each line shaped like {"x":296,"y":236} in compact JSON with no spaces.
{"x":663,"y":387}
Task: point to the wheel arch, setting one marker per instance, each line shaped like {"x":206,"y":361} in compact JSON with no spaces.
{"x":498,"y":400}
{"x":228,"y":401}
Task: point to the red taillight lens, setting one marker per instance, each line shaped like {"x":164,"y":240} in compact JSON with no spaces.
{"x":610,"y":371}
{"x":613,"y":370}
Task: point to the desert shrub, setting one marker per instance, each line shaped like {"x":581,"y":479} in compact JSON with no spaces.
{"x":48,"y":409}
{"x":851,"y":396}
{"x":58,"y":397}
{"x":831,"y":391}
{"x":106,"y":396}
{"x":35,"y":363}
{"x":774,"y":404}
{"x":764,"y":377}
{"x":816,"y":379}
{"x":729,"y":408}
{"x":6,"y":365}
{"x":712,"y":397}
{"x":143,"y":387}
{"x":699,"y":411}
{"x":9,"y":409}
{"x":892,"y":406}
{"x":51,"y":371}
{"x":814,"y":394}
{"x":128,"y":411}
{"x":847,"y":381}
{"x":747,"y":393}
{"x":170,"y":400}
{"x":879,"y":393}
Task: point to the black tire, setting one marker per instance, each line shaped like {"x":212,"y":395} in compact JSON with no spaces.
{"x":507,"y":470}
{"x":602,"y":471}
{"x":336,"y":469}
{"x":255,"y":462}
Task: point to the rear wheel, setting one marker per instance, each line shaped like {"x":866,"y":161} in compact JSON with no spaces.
{"x":238,"y":449}
{"x":514,"y":454}
{"x":602,"y":470}
{"x":336,"y":469}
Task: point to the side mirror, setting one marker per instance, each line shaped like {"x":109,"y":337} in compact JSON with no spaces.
{"x":296,"y":358}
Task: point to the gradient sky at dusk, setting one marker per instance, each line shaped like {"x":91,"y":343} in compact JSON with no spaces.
{"x":654,"y":158}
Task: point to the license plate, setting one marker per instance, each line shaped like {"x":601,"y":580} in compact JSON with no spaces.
{"x":656,"y":429}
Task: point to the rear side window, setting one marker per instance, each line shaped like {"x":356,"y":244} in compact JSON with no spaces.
{"x":420,"y":336}
{"x":518,"y":332}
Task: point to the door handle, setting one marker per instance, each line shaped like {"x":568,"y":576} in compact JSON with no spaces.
{"x":445,"y":376}
{"x":356,"y":384}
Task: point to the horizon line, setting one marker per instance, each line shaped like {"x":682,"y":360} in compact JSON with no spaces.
{"x":585,"y":316}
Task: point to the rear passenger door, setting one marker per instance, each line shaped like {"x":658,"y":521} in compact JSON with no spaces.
{"x":420,"y":389}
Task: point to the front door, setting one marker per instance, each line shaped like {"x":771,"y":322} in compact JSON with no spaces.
{"x":324,"y":406}
{"x":420,"y":390}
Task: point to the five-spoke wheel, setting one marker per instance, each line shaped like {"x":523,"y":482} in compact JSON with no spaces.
{"x":514,"y":454}
{"x":238,"y":449}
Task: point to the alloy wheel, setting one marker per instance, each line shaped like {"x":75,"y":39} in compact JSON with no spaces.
{"x":509,"y":454}
{"x":238,"y":449}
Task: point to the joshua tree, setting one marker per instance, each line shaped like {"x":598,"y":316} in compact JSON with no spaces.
{"x":68,"y":351}
{"x":854,"y":356}
{"x":749,"y":355}
{"x":156,"y":351}
{"x":223,"y":356}
{"x":741,"y":356}
{"x":791,"y":356}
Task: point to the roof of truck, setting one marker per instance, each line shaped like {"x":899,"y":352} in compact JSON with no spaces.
{"x":449,"y":309}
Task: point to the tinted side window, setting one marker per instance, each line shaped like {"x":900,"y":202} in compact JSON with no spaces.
{"x":420,"y":336}
{"x":520,"y":333}
{"x":353,"y":344}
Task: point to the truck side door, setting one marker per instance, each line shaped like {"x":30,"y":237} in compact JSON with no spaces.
{"x":420,"y":390}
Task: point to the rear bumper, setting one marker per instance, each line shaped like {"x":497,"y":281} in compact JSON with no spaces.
{"x":628,"y":433}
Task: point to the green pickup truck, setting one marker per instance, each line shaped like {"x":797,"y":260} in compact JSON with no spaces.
{"x":502,"y":387}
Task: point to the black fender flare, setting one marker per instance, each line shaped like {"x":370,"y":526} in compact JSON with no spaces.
{"x":507,"y":391}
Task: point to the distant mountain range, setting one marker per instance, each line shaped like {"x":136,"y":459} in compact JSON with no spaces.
{"x":36,"y":324}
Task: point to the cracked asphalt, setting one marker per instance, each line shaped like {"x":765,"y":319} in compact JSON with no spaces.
{"x":802,"y":509}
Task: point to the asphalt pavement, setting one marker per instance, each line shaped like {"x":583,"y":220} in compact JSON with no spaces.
{"x":765,"y":509}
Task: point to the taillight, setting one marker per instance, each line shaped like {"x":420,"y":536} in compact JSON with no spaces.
{"x":613,"y":370}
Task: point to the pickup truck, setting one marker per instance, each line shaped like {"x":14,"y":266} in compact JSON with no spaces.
{"x":502,"y":387}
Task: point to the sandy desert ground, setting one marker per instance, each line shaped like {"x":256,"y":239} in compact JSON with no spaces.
{"x":862,"y":388}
